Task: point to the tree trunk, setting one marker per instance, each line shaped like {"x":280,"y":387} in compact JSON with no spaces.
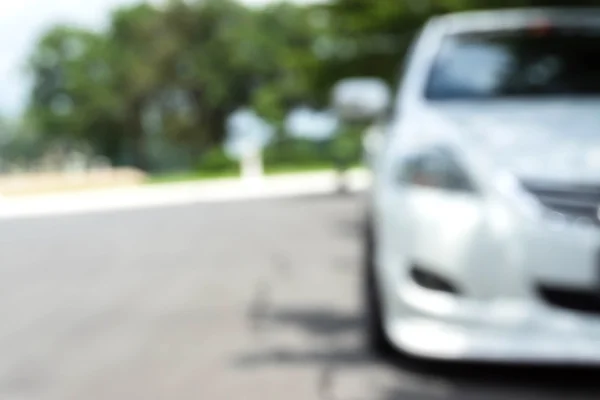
{"x":138,"y":137}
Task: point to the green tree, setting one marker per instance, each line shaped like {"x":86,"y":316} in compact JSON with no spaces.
{"x":73,"y":95}
{"x":178,"y":71}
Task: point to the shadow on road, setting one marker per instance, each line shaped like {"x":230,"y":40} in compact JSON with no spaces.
{"x":347,"y":357}
{"x":428,"y":380}
{"x":323,"y":324}
{"x":329,"y":351}
{"x":320,"y":322}
{"x":485,"y":382}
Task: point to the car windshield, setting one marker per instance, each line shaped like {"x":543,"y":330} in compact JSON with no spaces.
{"x":532,"y":63}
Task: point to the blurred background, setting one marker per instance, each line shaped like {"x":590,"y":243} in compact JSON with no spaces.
{"x":178,"y":89}
{"x":201,"y":299}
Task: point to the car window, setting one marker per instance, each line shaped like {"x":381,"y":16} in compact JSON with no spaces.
{"x":552,"y":62}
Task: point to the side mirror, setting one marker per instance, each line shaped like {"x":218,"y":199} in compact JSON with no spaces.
{"x":361,"y":99}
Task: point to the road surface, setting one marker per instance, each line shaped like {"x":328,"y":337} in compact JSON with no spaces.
{"x":240,"y":300}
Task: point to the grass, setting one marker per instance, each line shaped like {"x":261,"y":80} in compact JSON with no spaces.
{"x":209,"y":175}
{"x":294,"y":169}
{"x":190,"y":176}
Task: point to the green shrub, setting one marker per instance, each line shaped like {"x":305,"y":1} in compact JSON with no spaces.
{"x":346,"y":150}
{"x":341,"y":151}
{"x":296,"y":152}
{"x":216,"y":160}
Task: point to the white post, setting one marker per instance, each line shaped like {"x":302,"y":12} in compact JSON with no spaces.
{"x":252,"y":166}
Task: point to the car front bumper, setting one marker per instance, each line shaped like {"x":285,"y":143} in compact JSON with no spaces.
{"x":503,"y":331}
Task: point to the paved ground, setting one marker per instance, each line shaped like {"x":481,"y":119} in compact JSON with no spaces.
{"x":244,"y":300}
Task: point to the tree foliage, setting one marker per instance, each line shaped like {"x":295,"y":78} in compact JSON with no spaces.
{"x":178,"y":71}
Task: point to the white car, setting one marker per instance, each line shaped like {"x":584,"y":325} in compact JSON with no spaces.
{"x":483,"y":239}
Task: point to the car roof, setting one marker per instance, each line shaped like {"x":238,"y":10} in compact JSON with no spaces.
{"x":518,"y":18}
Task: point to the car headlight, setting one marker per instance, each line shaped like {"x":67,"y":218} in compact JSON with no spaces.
{"x":437,"y":168}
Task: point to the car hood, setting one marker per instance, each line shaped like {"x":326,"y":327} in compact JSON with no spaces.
{"x":534,"y":140}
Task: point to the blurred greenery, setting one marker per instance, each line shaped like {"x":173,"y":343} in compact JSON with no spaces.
{"x":291,"y":152}
{"x":165,"y":79}
{"x":217,"y":161}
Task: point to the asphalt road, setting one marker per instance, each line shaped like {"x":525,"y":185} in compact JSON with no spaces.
{"x":248,"y":300}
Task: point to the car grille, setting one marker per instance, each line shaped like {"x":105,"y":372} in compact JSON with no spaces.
{"x":579,"y":202}
{"x":584,"y":301}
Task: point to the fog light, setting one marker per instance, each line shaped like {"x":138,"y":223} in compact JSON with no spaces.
{"x":432,"y":280}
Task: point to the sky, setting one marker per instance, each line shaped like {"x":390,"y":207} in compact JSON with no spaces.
{"x":21,"y":24}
